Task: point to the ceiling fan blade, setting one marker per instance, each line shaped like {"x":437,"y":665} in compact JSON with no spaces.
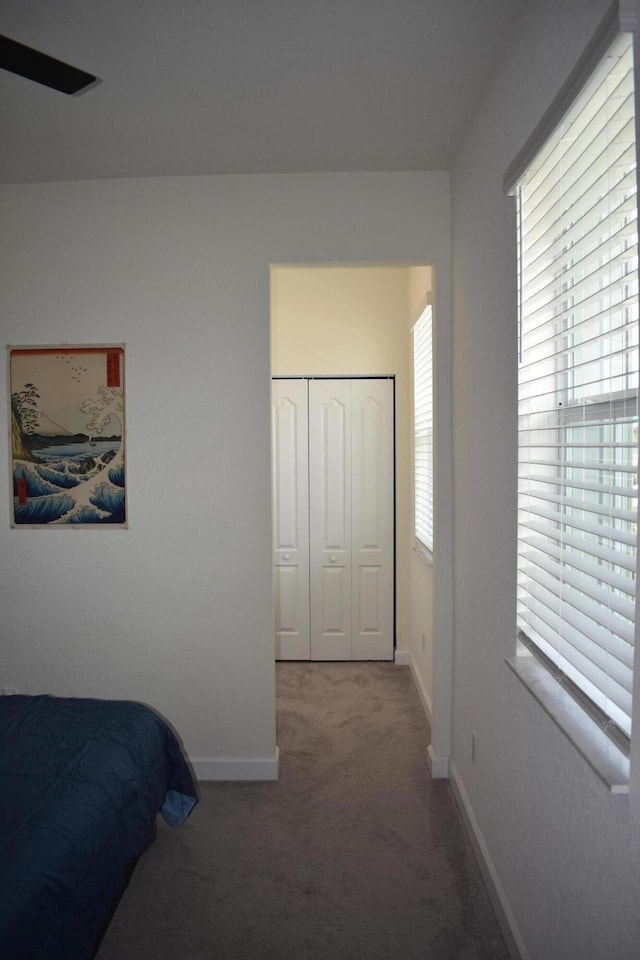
{"x":33,"y":65}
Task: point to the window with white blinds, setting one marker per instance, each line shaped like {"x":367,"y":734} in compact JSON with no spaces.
{"x":423,"y":423}
{"x":578,"y":391}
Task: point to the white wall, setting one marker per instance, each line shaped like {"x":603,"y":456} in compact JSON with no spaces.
{"x":177,"y":610}
{"x":564,"y":850}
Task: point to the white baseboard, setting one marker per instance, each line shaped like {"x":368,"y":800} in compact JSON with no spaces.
{"x":510,"y":932}
{"x":402,"y":658}
{"x":425,"y":699}
{"x":236,"y":769}
{"x":438,"y":764}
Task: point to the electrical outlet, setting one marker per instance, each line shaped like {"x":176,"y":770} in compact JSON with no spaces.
{"x":424,"y":642}
{"x":474,"y":747}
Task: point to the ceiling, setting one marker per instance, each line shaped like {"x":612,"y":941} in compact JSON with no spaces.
{"x":248,"y":86}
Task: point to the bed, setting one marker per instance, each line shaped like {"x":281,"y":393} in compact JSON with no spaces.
{"x":81,"y":782}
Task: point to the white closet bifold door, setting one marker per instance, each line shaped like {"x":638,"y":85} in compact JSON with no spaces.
{"x":343,"y":492}
{"x":290,"y":486}
{"x":330,"y":518}
{"x":372,"y":534}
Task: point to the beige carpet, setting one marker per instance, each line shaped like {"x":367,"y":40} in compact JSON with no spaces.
{"x":354,"y":853}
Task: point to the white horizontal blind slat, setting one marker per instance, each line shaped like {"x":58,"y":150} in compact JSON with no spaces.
{"x":544,"y":625}
{"x":578,"y":647}
{"x":558,"y":558}
{"x":579,"y":371}
{"x":579,"y":609}
{"x":423,"y":428}
{"x":617,"y":558}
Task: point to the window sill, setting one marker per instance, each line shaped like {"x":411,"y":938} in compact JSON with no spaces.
{"x":604,"y":758}
{"x":423,"y":552}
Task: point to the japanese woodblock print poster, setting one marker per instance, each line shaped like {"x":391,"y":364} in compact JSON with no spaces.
{"x":68,"y":435}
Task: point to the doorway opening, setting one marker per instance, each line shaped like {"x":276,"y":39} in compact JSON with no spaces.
{"x":349,"y":323}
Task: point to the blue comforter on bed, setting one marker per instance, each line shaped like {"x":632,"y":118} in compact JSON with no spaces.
{"x":81,"y":782}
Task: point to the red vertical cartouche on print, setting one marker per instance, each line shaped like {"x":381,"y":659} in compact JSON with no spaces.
{"x":113,"y":368}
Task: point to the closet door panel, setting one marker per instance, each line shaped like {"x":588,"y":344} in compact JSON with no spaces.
{"x":290,"y":519}
{"x":330,"y":519}
{"x":372,"y":496}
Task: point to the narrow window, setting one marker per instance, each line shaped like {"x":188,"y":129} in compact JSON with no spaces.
{"x":578,"y":394}
{"x":423,"y":429}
